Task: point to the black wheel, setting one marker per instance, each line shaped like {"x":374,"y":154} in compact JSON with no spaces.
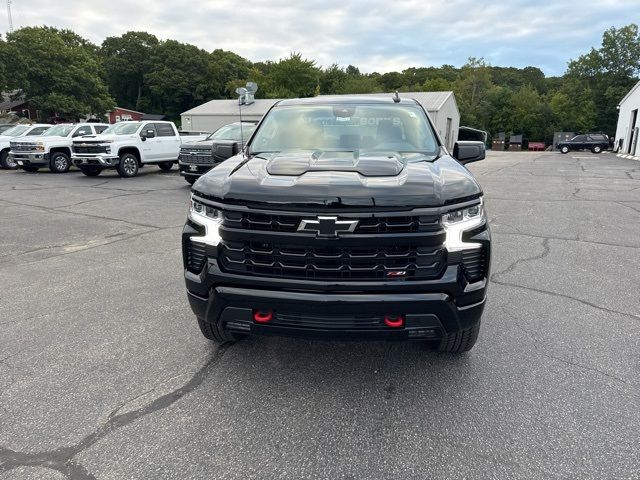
{"x":461,"y":341}
{"x":5,"y":162}
{"x":30,"y":169}
{"x":59,"y":163}
{"x":564,"y":149}
{"x":596,"y":149}
{"x":166,"y":166}
{"x":212,"y":332}
{"x":91,"y":171}
{"x":128,"y":166}
{"x":191,"y":180}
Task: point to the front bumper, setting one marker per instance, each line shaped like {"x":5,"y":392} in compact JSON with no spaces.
{"x":103,"y":161}
{"x":337,"y":310}
{"x":31,"y":159}
{"x":193,"y":170}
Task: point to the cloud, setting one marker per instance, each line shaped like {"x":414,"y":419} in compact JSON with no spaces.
{"x":373,"y":35}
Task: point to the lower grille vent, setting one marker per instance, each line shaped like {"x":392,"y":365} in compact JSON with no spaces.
{"x":474,"y":264}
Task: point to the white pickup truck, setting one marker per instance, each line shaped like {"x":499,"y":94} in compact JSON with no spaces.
{"x":127,"y":146}
{"x":52,"y":149}
{"x":14,"y":132}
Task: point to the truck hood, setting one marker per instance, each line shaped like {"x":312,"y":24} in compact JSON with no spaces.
{"x":103,"y":138}
{"x":339,"y":179}
{"x":198,"y":144}
{"x":38,"y":138}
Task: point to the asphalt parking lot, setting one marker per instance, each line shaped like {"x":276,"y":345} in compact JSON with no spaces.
{"x":104,"y":373}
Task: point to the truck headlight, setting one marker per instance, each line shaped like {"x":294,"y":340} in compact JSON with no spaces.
{"x":208,"y":216}
{"x":40,"y":147}
{"x":457,"y":222}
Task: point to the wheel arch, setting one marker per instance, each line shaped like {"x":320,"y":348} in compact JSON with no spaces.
{"x":65,"y":150}
{"x":133,"y":150}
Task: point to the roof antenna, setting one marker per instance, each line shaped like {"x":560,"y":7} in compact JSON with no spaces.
{"x":396,"y":98}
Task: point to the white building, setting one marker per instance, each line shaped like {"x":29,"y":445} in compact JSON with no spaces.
{"x":628,"y":129}
{"x":210,"y":116}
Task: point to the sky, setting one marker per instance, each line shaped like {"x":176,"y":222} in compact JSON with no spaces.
{"x":373,"y":35}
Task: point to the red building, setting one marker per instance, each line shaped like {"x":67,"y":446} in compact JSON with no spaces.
{"x":120,"y":114}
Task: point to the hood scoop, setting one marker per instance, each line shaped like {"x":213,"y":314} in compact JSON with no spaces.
{"x":368,"y":164}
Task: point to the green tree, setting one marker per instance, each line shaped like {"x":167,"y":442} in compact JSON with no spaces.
{"x":126,"y":60}
{"x":471,"y":88}
{"x":59,"y":72}
{"x":293,"y":77}
{"x":608,"y":72}
{"x":332,"y":80}
{"x":181,"y":76}
{"x":229,"y":71}
{"x":437,"y":84}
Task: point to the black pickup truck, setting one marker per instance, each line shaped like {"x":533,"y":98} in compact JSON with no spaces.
{"x":344,"y":217}
{"x":198,"y":157}
{"x":596,"y":142}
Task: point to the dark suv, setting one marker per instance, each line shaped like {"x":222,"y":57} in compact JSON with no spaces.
{"x":343,"y":217}
{"x":197,"y":158}
{"x":596,"y":142}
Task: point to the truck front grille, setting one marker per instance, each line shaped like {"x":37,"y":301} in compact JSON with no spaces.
{"x":197,"y":157}
{"x":23,"y":147}
{"x":94,"y":149}
{"x":371,"y":225}
{"x":366,"y":263}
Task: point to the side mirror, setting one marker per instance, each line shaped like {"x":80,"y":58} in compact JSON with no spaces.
{"x":468,"y":151}
{"x":147,"y":134}
{"x":223,"y":149}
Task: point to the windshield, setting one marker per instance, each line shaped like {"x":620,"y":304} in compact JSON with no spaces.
{"x":122,"y":128}
{"x":17,"y":130}
{"x":59,"y":131}
{"x":232,"y":132}
{"x":371,"y":128}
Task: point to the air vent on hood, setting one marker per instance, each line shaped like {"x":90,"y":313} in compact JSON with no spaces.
{"x":368,"y":164}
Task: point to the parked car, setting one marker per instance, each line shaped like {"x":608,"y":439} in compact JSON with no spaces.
{"x":52,"y":149}
{"x":16,"y":131}
{"x":128,"y":146}
{"x":6,"y":126}
{"x":342,"y":218}
{"x":596,"y":142}
{"x":197,"y":158}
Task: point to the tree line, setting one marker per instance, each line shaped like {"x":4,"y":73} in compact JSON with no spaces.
{"x":62,"y":73}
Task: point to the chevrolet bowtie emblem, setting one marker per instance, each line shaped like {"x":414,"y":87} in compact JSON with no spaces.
{"x":327,"y":226}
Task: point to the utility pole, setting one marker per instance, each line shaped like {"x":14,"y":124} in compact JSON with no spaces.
{"x":9,"y":16}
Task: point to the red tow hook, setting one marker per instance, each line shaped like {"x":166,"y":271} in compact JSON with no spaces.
{"x":394,"y":321}
{"x":262,"y":316}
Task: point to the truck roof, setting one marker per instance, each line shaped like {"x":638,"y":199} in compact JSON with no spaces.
{"x":347,"y":99}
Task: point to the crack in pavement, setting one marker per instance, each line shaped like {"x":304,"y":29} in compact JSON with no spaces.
{"x":540,"y":350}
{"x":513,"y":265}
{"x":633,"y":316}
{"x":547,"y":250}
{"x":90,"y":247}
{"x":99,"y":217}
{"x":61,"y":459}
{"x":566,"y":239}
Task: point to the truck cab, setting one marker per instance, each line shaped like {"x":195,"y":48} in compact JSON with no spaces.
{"x":52,"y":149}
{"x":17,"y":131}
{"x":128,"y":146}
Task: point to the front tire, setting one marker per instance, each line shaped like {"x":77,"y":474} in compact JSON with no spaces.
{"x":165,"y":166}
{"x":596,"y":149}
{"x":59,"y":163}
{"x":91,"y":171}
{"x":212,"y":332}
{"x":128,"y":166}
{"x":459,"y":342}
{"x":564,"y":149}
{"x":5,"y":162}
